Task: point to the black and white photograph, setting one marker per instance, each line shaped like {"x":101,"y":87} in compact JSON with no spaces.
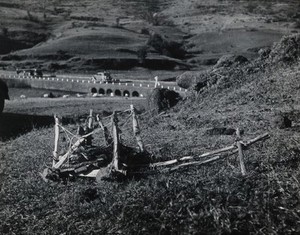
{"x":145,"y":117}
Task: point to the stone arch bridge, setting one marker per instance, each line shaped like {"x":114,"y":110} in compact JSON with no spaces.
{"x":84,"y":85}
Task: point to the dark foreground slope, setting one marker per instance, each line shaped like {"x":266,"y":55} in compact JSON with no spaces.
{"x":212,"y":199}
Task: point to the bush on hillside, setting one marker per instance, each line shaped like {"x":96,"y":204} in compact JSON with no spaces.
{"x":229,"y":60}
{"x":287,"y":50}
{"x":189,"y":79}
{"x":166,"y":47}
{"x":56,"y":66}
{"x":162,"y":99}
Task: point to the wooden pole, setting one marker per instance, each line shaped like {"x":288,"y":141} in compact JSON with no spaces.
{"x":136,"y":129}
{"x":258,"y":138}
{"x":116,"y":147}
{"x":90,"y":122}
{"x":196,"y":163}
{"x":100,"y":121}
{"x":232,"y":148}
{"x":56,"y":139}
{"x":240,"y":150}
{"x":187,"y":158}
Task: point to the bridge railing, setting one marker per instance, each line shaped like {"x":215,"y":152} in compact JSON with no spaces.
{"x":77,"y":80}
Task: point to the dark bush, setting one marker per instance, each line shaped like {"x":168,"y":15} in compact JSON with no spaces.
{"x":162,"y":99}
{"x":166,"y":47}
{"x":189,"y":79}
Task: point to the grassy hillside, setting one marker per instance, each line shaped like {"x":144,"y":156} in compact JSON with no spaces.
{"x":257,"y":96}
{"x":210,"y":199}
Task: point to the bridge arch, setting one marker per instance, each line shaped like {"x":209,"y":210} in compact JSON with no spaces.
{"x":101,"y":91}
{"x":126,"y":93}
{"x":93,"y":90}
{"x":109,"y":91}
{"x":135,"y":94}
{"x":118,"y":93}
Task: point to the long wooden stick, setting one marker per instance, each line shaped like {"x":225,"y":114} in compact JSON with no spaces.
{"x":56,"y":139}
{"x":240,"y":150}
{"x":116,"y":146}
{"x":256,"y":139}
{"x":187,"y":158}
{"x":63,"y":158}
{"x":207,"y":154}
{"x":196,"y":163}
{"x":136,"y":129}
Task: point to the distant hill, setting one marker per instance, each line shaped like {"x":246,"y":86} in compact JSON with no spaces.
{"x":94,"y":35}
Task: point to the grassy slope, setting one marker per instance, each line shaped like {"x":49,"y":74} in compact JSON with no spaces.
{"x":209,"y":199}
{"x":213,"y":199}
{"x":99,"y":43}
{"x":70,"y":106}
{"x":23,"y":115}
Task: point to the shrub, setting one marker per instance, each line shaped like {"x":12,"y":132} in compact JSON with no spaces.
{"x":287,"y":50}
{"x":162,"y":99}
{"x":165,"y":47}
